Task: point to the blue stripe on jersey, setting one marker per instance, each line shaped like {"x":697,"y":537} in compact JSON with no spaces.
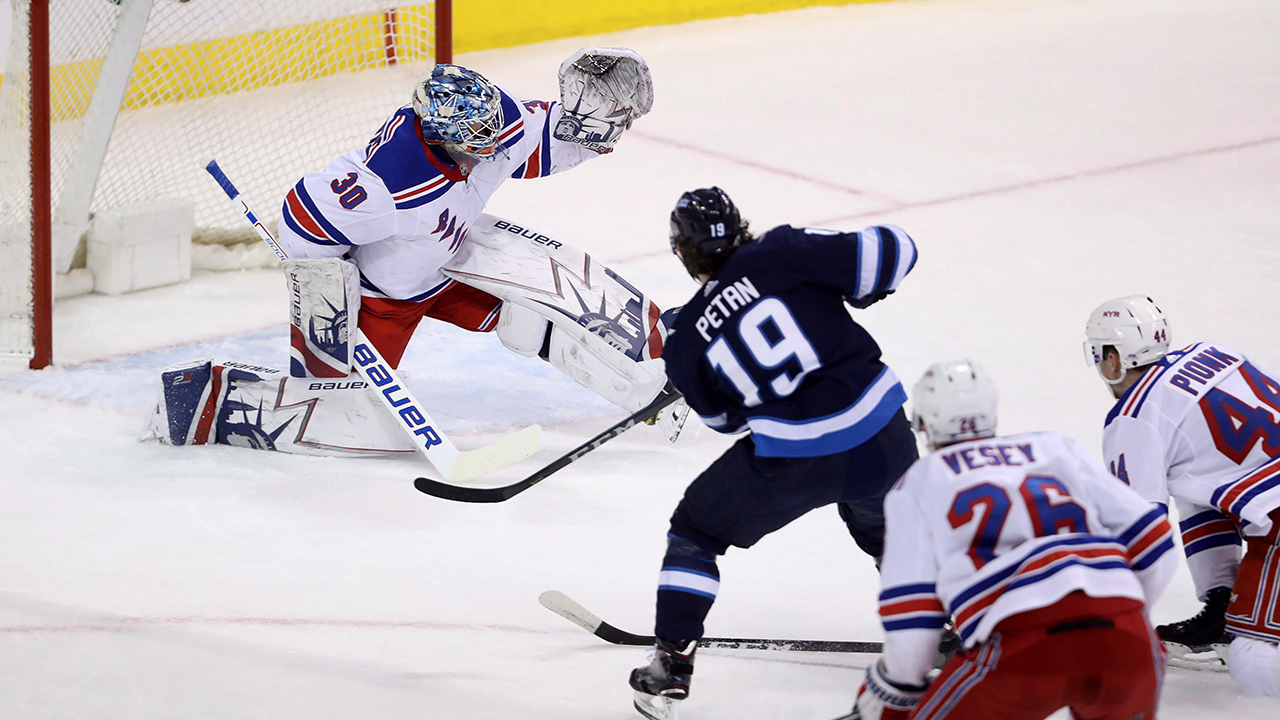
{"x":888,"y":259}
{"x":914,"y":589}
{"x":1141,"y":524}
{"x":830,"y":434}
{"x":1000,"y":576}
{"x":1209,"y":542}
{"x":421,"y":200}
{"x":1199,"y":519}
{"x":1161,"y":366}
{"x":334,"y":233}
{"x":1153,"y":554}
{"x":545,"y":155}
{"x":927,"y":622}
{"x":367,"y":285}
{"x":309,"y":236}
{"x":1058,"y":566}
{"x":511,"y":109}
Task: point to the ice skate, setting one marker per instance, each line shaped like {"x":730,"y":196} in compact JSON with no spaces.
{"x":664,"y":682}
{"x":1203,"y":633}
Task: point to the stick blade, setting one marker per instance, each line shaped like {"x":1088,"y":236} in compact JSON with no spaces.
{"x":564,"y":606}
{"x":459,"y":493}
{"x":510,"y":449}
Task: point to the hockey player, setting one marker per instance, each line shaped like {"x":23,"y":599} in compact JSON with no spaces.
{"x":1201,"y":425}
{"x":401,"y":207}
{"x":767,"y":347}
{"x":1043,"y":561}
{"x":368,"y":238}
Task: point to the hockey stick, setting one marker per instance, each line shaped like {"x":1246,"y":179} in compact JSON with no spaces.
{"x":562,"y":605}
{"x":410,"y":414}
{"x":506,"y":492}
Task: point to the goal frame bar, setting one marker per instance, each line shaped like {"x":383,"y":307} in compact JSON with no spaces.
{"x":41,"y":170}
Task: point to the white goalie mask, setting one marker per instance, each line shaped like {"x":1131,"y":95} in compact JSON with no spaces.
{"x":1134,"y":325}
{"x":954,"y":401}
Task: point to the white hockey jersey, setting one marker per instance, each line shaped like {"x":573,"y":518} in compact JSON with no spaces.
{"x":1203,"y":426}
{"x":986,"y":529}
{"x":401,"y":208}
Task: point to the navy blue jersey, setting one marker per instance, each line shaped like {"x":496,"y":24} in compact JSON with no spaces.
{"x":768,"y":344}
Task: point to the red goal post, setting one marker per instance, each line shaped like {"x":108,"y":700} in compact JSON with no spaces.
{"x":105,"y":103}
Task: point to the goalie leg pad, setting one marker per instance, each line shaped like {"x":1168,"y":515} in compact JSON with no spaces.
{"x":595,"y":365}
{"x":324,"y":301}
{"x":225,"y":402}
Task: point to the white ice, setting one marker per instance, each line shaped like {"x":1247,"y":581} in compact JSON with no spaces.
{"x":1045,"y":155}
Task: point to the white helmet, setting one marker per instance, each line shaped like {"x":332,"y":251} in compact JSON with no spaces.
{"x":954,"y":401}
{"x":1134,"y":325}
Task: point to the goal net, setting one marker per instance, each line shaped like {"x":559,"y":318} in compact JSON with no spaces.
{"x":140,"y":90}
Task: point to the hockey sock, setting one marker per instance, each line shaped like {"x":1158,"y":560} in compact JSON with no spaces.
{"x":687,"y":587}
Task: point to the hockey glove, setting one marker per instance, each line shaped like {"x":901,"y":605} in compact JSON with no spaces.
{"x":883,"y":699}
{"x":601,"y":91}
{"x":868,"y":301}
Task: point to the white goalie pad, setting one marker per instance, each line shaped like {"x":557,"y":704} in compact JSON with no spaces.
{"x":226,"y":402}
{"x":607,"y":336}
{"x":324,"y":304}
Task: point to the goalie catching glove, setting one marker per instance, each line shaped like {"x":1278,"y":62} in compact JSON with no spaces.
{"x":602,"y":90}
{"x":883,"y":699}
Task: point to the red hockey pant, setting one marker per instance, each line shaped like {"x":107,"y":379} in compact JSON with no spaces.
{"x":390,"y":323}
{"x":1253,"y":611}
{"x":1097,"y":656}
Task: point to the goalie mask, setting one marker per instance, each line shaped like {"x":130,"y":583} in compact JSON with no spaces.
{"x":1134,"y":325}
{"x":954,"y":401}
{"x":460,"y":109}
{"x":706,"y":228}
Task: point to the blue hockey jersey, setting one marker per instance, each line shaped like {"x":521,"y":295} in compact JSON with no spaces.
{"x":768,"y":345}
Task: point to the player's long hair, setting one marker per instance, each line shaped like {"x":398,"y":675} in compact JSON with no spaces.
{"x":696,"y":264}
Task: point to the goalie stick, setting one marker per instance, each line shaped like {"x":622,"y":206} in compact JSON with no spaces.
{"x":506,"y":492}
{"x":564,"y":606}
{"x":410,"y":414}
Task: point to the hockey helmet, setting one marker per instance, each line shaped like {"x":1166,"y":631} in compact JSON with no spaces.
{"x":1134,"y":325}
{"x":706,"y":222}
{"x":954,"y":401}
{"x":458,"y":107}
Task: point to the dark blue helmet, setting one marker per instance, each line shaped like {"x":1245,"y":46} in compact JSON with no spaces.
{"x":706,"y":222}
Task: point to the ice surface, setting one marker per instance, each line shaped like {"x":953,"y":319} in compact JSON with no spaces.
{"x":1046,"y":156}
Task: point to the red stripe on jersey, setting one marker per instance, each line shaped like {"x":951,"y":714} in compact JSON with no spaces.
{"x":511,"y":130}
{"x":1210,"y":528}
{"x":1154,"y":535}
{"x":420,"y":189}
{"x":533,"y":165}
{"x":299,"y":212}
{"x":1142,"y":387}
{"x":973,"y":608}
{"x":911,"y":606}
{"x":1226,"y":501}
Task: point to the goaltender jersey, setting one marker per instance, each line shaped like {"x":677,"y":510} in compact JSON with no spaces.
{"x":401,"y":208}
{"x":768,"y":344}
{"x":1201,"y":425}
{"x":986,"y":529}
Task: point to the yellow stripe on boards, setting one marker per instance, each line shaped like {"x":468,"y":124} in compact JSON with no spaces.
{"x":483,"y":24}
{"x":247,"y":62}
